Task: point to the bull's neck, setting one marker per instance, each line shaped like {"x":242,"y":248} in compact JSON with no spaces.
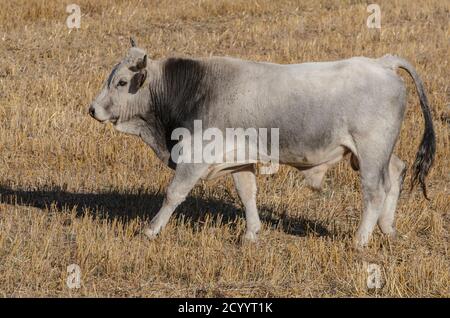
{"x":178,"y":91}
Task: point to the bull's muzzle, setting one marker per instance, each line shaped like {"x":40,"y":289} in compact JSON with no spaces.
{"x":92,"y":111}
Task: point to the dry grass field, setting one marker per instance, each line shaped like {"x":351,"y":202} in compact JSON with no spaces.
{"x":73,"y":191}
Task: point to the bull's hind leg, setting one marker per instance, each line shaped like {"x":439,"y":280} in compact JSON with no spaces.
{"x":245,"y":182}
{"x":397,"y":169}
{"x":375,"y":186}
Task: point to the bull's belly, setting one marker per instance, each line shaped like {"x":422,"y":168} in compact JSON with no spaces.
{"x":300,"y":160}
{"x":312,"y":158}
{"x":222,"y":169}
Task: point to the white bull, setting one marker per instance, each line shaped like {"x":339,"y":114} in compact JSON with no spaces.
{"x":323,"y":111}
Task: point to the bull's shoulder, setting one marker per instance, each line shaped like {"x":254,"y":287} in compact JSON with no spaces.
{"x":182,"y":67}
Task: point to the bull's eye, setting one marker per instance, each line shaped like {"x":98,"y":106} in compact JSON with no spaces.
{"x":122,"y":83}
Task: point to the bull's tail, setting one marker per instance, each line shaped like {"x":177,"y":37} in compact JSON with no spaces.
{"x":427,"y":149}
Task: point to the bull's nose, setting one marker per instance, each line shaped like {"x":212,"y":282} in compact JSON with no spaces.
{"x":92,"y":111}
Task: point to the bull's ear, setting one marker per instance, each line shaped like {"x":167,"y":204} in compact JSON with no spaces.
{"x":132,"y":42}
{"x":140,"y":64}
{"x":142,"y":77}
{"x":137,"y":81}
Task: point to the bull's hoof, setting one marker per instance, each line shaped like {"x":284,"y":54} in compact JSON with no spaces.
{"x":250,"y":237}
{"x":150,"y":233}
{"x":360,"y":242}
{"x":397,"y":237}
{"x":392,"y":236}
{"x":358,"y":247}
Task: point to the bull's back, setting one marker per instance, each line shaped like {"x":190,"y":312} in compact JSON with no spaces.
{"x":312,"y":104}
{"x":264,"y":92}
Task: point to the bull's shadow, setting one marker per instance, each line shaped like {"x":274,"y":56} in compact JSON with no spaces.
{"x":127,"y":206}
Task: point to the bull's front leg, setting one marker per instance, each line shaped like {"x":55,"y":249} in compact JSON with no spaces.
{"x":186,"y":176}
{"x":245,"y":182}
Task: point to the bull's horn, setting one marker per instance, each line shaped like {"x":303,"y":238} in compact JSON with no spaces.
{"x":132,"y":42}
{"x":142,"y":63}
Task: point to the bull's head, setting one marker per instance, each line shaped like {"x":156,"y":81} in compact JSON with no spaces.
{"x":120,"y":97}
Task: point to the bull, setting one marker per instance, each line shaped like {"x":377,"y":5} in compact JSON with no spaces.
{"x":324,"y":111}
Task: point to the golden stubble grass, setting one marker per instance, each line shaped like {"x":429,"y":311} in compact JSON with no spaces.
{"x":73,"y":191}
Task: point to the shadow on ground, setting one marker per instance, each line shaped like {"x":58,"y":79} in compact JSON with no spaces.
{"x":126,"y":206}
